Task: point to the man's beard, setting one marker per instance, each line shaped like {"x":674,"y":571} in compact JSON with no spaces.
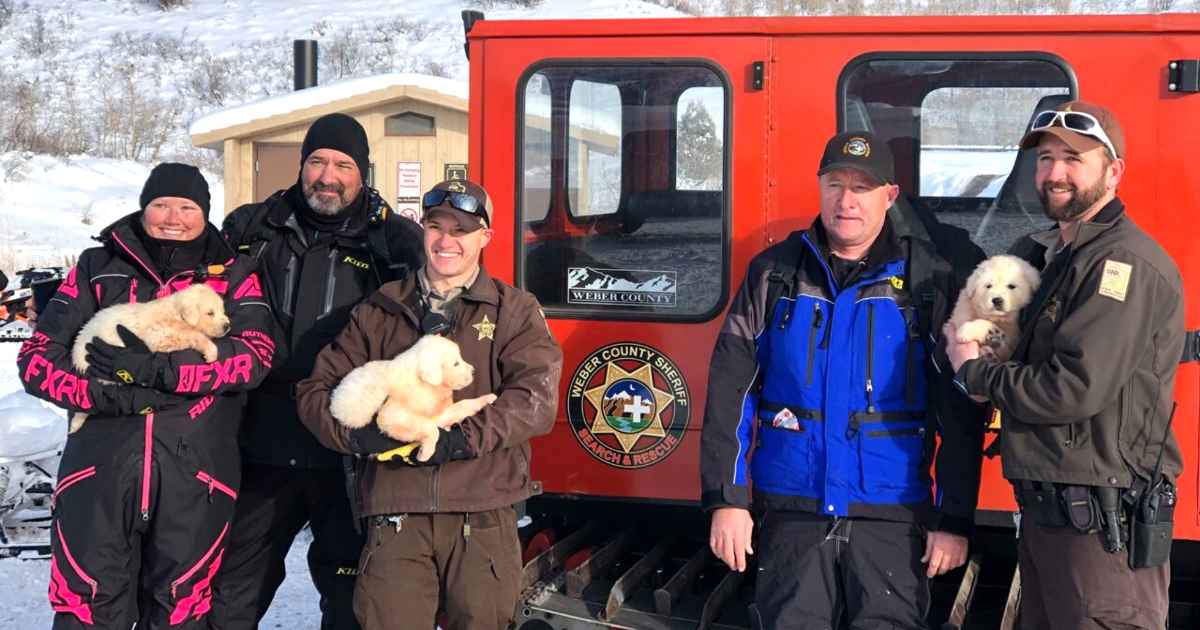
{"x":1080,"y":201}
{"x":325,"y":206}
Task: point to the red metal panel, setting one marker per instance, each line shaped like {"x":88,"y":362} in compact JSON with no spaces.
{"x":559,"y":460}
{"x":777,"y":134}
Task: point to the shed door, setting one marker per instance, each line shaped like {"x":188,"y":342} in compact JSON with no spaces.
{"x":276,"y":166}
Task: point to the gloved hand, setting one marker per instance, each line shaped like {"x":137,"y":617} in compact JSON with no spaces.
{"x":451,"y":446}
{"x":122,"y":400}
{"x":133,"y":364}
{"x":369,"y":441}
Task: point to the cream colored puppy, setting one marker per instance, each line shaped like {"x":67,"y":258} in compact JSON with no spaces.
{"x":412,"y":393}
{"x":187,"y":319}
{"x":987,"y":308}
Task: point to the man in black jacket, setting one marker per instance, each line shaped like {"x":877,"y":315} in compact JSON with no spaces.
{"x":324,"y":245}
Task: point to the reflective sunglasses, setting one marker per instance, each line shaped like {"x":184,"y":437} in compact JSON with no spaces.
{"x":458,"y":201}
{"x":1078,"y":122}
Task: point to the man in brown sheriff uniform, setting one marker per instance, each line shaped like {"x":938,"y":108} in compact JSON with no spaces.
{"x":1087,"y":397}
{"x":445,"y":530}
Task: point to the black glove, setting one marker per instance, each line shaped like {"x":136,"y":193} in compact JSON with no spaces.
{"x":133,"y":364}
{"x":121,"y":400}
{"x":451,"y":445}
{"x":369,"y":441}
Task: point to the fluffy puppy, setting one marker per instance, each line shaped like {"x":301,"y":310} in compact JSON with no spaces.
{"x":187,"y":319}
{"x":987,"y":308}
{"x":412,"y":393}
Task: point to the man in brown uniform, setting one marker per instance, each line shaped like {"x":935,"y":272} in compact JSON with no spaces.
{"x":443,"y":532}
{"x":1086,"y":398}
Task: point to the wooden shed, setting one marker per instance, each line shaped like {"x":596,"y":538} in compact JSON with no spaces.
{"x":416,"y":126}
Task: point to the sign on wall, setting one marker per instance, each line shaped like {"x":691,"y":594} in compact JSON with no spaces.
{"x":408,"y":190}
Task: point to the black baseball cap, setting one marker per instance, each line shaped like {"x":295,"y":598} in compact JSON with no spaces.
{"x":859,"y":150}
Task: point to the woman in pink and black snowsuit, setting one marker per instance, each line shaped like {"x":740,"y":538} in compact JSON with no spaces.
{"x":147,"y":486}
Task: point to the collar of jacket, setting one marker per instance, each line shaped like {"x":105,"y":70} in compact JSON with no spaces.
{"x":120,"y":238}
{"x":1105,"y":219}
{"x":885,"y":249}
{"x":283,"y":210}
{"x":404,"y":297}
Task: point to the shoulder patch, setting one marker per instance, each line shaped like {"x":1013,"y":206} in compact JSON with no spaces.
{"x":1114,"y":280}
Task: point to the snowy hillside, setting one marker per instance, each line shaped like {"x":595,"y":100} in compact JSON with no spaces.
{"x":114,"y":77}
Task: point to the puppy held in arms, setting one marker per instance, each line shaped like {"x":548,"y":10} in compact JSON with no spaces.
{"x":988,"y":306}
{"x":412,"y":393}
{"x":185,"y":320}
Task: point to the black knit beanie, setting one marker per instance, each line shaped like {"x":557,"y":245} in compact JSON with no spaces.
{"x":171,"y":179}
{"x":340,"y":133}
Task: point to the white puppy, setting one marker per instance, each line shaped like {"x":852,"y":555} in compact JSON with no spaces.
{"x":987,"y":308}
{"x":187,"y":319}
{"x":412,"y":393}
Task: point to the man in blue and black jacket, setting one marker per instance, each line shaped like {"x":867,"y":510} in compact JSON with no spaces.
{"x":826,"y":391}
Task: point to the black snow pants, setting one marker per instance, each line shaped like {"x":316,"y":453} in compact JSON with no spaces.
{"x":821,"y":573}
{"x":275,"y":505}
{"x":141,"y":519}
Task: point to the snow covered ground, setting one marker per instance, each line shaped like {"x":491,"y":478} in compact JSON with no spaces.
{"x":23,"y":583}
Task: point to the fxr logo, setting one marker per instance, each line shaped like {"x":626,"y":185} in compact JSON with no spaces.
{"x":235,"y":369}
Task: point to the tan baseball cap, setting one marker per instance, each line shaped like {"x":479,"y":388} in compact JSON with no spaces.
{"x":1080,"y":141}
{"x":465,"y":199}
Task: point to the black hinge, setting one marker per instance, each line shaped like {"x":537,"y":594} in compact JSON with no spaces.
{"x":1191,"y":346}
{"x":469,"y":18}
{"x":1183,"y":75}
{"x":756,"y":77}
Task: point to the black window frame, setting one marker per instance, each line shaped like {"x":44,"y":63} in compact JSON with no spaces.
{"x":942,"y":204}
{"x":613,"y":314}
{"x":408,"y":112}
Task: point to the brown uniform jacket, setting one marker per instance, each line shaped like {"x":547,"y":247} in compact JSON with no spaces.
{"x":1089,"y":389}
{"x":502,"y":333}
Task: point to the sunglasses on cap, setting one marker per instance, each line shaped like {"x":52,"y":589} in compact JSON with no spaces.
{"x":459,"y":201}
{"x":1079,"y":122}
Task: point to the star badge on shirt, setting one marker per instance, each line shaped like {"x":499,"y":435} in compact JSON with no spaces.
{"x":485,"y":328}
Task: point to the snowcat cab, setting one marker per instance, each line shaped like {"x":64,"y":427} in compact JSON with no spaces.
{"x":638,"y":165}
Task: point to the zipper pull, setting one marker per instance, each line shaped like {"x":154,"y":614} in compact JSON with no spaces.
{"x":818,"y":316}
{"x":870,"y":390}
{"x":145,"y":515}
{"x":787,"y":316}
{"x":466,"y":530}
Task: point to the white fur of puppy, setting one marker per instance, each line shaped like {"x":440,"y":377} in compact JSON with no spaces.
{"x":186,"y":319}
{"x":988,"y":306}
{"x":412,"y":393}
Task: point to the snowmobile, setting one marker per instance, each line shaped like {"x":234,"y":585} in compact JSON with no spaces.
{"x":32,"y":436}
{"x":38,"y":283}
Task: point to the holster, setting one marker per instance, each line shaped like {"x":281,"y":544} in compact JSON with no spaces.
{"x":1039,"y":503}
{"x":1049,"y":504}
{"x":1152,"y":525}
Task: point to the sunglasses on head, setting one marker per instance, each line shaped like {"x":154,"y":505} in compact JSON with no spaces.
{"x":1078,"y":122}
{"x":458,"y":201}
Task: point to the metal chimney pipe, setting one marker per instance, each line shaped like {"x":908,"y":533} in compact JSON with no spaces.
{"x":304,"y":54}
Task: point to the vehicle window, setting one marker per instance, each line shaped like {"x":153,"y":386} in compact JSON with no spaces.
{"x":535,"y":150}
{"x":698,"y":151}
{"x":954,"y":126}
{"x":623,"y":196}
{"x":594,"y":142}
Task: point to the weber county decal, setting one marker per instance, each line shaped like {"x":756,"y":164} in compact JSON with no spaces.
{"x":628,"y":405}
{"x":620,"y":287}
